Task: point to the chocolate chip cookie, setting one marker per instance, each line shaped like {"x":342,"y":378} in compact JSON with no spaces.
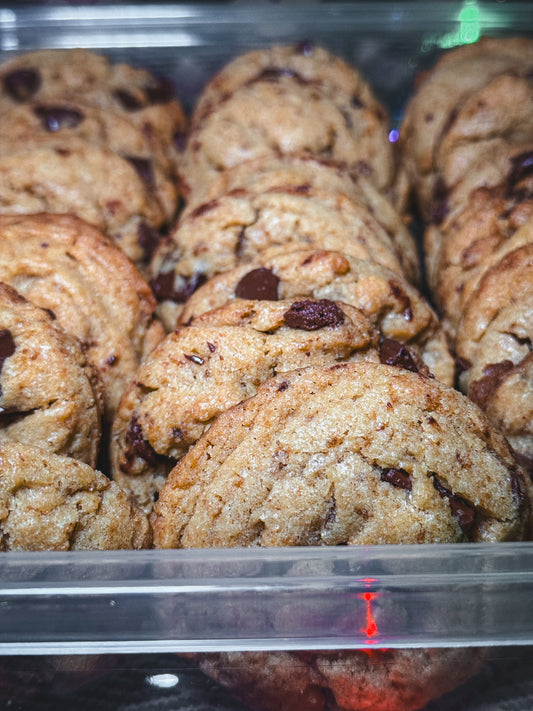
{"x":351,"y":453}
{"x":218,"y":360}
{"x":51,"y":502}
{"x":49,"y":395}
{"x":494,"y":341}
{"x":393,"y":305}
{"x":91,"y":289}
{"x":233,"y":230}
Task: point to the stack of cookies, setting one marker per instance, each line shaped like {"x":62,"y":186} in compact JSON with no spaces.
{"x":260,"y":369}
{"x":87,"y":137}
{"x":467,"y":147}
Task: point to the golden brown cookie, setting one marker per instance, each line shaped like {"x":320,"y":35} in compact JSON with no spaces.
{"x":354,"y":453}
{"x":51,"y":502}
{"x":494,"y":342}
{"x":91,"y":288}
{"x":218,"y":360}
{"x":49,"y":394}
{"x":392,"y":304}
{"x":233,"y":230}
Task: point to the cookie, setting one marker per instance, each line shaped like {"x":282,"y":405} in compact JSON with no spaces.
{"x":218,"y":360}
{"x":303,"y":173}
{"x":304,"y":62}
{"x":234,"y":230}
{"x":97,"y":185}
{"x":49,"y":396}
{"x":146,"y":101}
{"x":51,"y":502}
{"x":438,"y":101}
{"x":353,"y":453}
{"x":91,"y":288}
{"x":494,"y":343}
{"x":492,"y":222}
{"x":381,"y":680}
{"x":392,"y":304}
{"x":269,"y":117}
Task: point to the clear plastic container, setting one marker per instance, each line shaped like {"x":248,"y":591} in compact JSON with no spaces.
{"x":101,"y":630}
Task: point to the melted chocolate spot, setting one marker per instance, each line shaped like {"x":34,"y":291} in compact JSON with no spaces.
{"x":160,"y":92}
{"x":127,"y":100}
{"x":144,"y":169}
{"x":493,"y":374}
{"x":521,"y":167}
{"x":148,"y":239}
{"x":54,"y":118}
{"x":22,"y":84}
{"x":180,"y":140}
{"x":164,"y":290}
{"x":283,"y":386}
{"x":400,"y":295}
{"x":392,"y":352}
{"x":312,"y":315}
{"x":462,"y":365}
{"x":461,"y":509}
{"x":260,"y":283}
{"x":7,"y":346}
{"x":137,"y":445}
{"x":398,"y":478}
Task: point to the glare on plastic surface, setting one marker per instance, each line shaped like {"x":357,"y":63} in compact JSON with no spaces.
{"x":163,"y":681}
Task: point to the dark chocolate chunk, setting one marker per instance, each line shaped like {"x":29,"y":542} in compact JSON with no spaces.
{"x":356,"y":102}
{"x":462,"y":365}
{"x":149,"y":239}
{"x":161,"y":91}
{"x":195,"y":359}
{"x":521,"y":167}
{"x":440,"y":207}
{"x":144,"y":169}
{"x":54,"y":118}
{"x":127,"y":100}
{"x":464,"y":512}
{"x":400,"y":295}
{"x":164,"y":288}
{"x":312,"y":315}
{"x":260,"y":283}
{"x":180,"y":140}
{"x":392,"y":352}
{"x":7,"y":346}
{"x":22,"y":84}
{"x":493,"y":374}
{"x":397,"y":477}
{"x":137,"y":445}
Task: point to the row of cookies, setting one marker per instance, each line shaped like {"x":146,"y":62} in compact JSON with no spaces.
{"x":467,"y":146}
{"x":89,"y":137}
{"x":277,"y":262}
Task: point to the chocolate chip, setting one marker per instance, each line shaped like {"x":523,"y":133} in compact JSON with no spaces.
{"x":260,"y":283}
{"x":398,"y":478}
{"x":462,"y":365}
{"x":7,"y":346}
{"x":144,"y":169}
{"x":164,"y":289}
{"x":392,"y":352}
{"x":493,"y":374}
{"x":160,"y":92}
{"x":405,"y":302}
{"x":148,"y":239}
{"x":195,"y":359}
{"x":137,"y":445}
{"x":461,"y":509}
{"x":111,"y":360}
{"x":54,"y":118}
{"x":440,"y":207}
{"x":305,"y":47}
{"x":312,"y":315}
{"x":180,"y":140}
{"x":127,"y":100}
{"x":22,"y":84}
{"x":521,"y":167}
{"x":283,"y":386}
{"x":211,"y":347}
{"x":203,"y":208}
{"x":356,"y":102}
